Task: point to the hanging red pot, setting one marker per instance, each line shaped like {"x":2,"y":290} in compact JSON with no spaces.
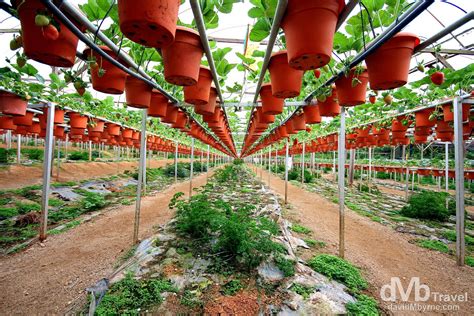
{"x":209,"y":107}
{"x":96,"y":125}
{"x":443,"y":126}
{"x":171,"y":114}
{"x":445,"y":136}
{"x":25,"y":120}
{"x":58,"y":117}
{"x":312,"y":115}
{"x":77,"y":131}
{"x":282,"y":131}
{"x":214,"y":117}
{"x":423,"y":171}
{"x":12,"y":104}
{"x":58,"y":131}
{"x":423,"y":131}
{"x":286,"y":81}
{"x":6,"y":122}
{"x":270,"y":104}
{"x":330,"y":107}
{"x":59,"y":52}
{"x":127,"y":133}
{"x":422,"y":118}
{"x":449,"y":114}
{"x":137,"y":93}
{"x":351,"y":89}
{"x":149,"y":23}
{"x":158,"y":104}
{"x":77,"y":120}
{"x":35,"y":128}
{"x":180,"y":120}
{"x":388,"y":66}
{"x":309,"y":28}
{"x":264,"y":118}
{"x":420,"y":139}
{"x":363,"y":132}
{"x":113,"y":129}
{"x":397,"y":125}
{"x":299,"y":123}
{"x":106,"y":77}
{"x":398,"y":134}
{"x":198,"y":94}
{"x":182,"y":58}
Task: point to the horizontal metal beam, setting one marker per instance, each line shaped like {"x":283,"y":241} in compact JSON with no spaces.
{"x":448,"y":51}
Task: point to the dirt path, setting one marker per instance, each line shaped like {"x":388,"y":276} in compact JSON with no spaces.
{"x":45,"y":279}
{"x":17,"y":176}
{"x":381,"y":252}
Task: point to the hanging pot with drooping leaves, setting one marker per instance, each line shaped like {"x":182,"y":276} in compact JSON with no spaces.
{"x":352,"y":87}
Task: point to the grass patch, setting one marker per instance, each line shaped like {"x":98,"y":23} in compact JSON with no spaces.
{"x":6,"y":212}
{"x":451,"y":236}
{"x":365,"y":305}
{"x":286,"y":266}
{"x":232,"y":287}
{"x":26,"y":207}
{"x":469,"y":261}
{"x":314,"y":243}
{"x":340,"y":270}
{"x":433,"y":245}
{"x":302,"y":290}
{"x":300,"y":229}
{"x":427,"y":205}
{"x":131,"y":297}
{"x":66,"y":227}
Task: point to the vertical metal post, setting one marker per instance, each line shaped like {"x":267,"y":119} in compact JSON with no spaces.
{"x":269,"y":164}
{"x":90,"y":150}
{"x":18,"y":149}
{"x":58,"y":160}
{"x":341,"y":148}
{"x":459,"y":170}
{"x":207,"y":163}
{"x":302,"y":163}
{"x":446,"y":166}
{"x":286,"y":171}
{"x":66,"y":147}
{"x":334,"y":164}
{"x":9,"y":139}
{"x":176,"y":161}
{"x":261,"y":165}
{"x":48,"y":154}
{"x":407,"y":179}
{"x":141,"y":169}
{"x":369,"y":174}
{"x":351,"y":166}
{"x":192,"y":169}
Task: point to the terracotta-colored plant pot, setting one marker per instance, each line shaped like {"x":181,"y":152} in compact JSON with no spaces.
{"x":60,"y":52}
{"x":76,"y":120}
{"x":397,"y":126}
{"x":6,"y":123}
{"x":112,"y":81}
{"x":198,"y":94}
{"x":137,"y":93}
{"x":270,"y":104}
{"x":445,"y":136}
{"x":469,"y":175}
{"x":180,"y":120}
{"x":330,"y":107}
{"x":388,"y":66}
{"x":423,"y":171}
{"x":182,"y":58}
{"x":422,"y":118}
{"x":113,"y":129}
{"x":289,"y":127}
{"x":423,"y":131}
{"x":282,"y":131}
{"x":363,"y":132}
{"x":437,"y":172}
{"x":158,"y":104}
{"x":449,"y":114}
{"x":127,"y":133}
{"x":171,"y":114}
{"x":209,"y":107}
{"x":96,"y":126}
{"x":58,"y":131}
{"x":25,"y":120}
{"x":77,"y":131}
{"x":351,"y":92}
{"x":442,"y":126}
{"x":309,"y":28}
{"x":420,"y":139}
{"x":398,"y":134}
{"x":286,"y":81}
{"x":264,"y":118}
{"x":149,"y":23}
{"x":214,"y":117}
{"x":311,"y":113}
{"x":12,"y":104}
{"x":58,"y":117}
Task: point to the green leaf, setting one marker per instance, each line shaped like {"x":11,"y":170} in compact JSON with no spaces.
{"x":260,"y":31}
{"x":256,"y":13}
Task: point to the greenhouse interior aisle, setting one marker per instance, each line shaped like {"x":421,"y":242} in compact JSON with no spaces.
{"x":68,"y":263}
{"x":377,"y":249}
{"x":17,"y":176}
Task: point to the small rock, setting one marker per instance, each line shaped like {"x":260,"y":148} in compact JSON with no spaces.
{"x":42,"y":244}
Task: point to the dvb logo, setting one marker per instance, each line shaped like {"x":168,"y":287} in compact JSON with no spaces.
{"x":394,"y":290}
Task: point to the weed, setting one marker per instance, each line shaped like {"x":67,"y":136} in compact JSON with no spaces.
{"x":190,"y":299}
{"x":314,"y":243}
{"x":286,"y":266}
{"x":302,"y":289}
{"x":232,"y":287}
{"x":365,"y":305}
{"x":451,"y":236}
{"x":24,"y":208}
{"x":340,"y":270}
{"x":427,"y":205}
{"x":300,"y":229}
{"x":469,"y":261}
{"x":66,"y":227}
{"x":130,"y":296}
{"x":5,"y":201}
{"x":6,"y":212}
{"x":55,"y":202}
{"x":433,"y":245}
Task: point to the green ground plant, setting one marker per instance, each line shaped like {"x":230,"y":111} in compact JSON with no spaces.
{"x":365,"y":306}
{"x":300,"y":229}
{"x":427,"y":205}
{"x":232,"y":287}
{"x":302,"y":290}
{"x":433,"y":245}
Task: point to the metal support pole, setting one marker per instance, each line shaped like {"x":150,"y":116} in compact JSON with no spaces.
{"x":141,"y":170}
{"x":192,"y":169}
{"x":175,"y":161}
{"x":407,"y":182}
{"x":207,"y":163}
{"x":48,"y":155}
{"x":90,"y":150}
{"x":341,"y":157}
{"x":269,"y":164}
{"x":446,"y":166}
{"x":334,"y":164}
{"x":261,"y":165}
{"x":369,"y":174}
{"x":58,"y":160}
{"x":9,"y":139}
{"x":286,"y":171}
{"x":351,"y":166}
{"x":66,"y":147}
{"x":302,"y":163}
{"x":18,"y":149}
{"x":459,"y":170}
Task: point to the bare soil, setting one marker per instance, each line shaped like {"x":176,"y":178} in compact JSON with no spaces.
{"x":48,"y":277}
{"x":381,"y":252}
{"x":17,"y":176}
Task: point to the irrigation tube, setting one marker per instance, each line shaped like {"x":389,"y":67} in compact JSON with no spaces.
{"x":459,"y":175}
{"x":341,"y":151}
{"x":141,"y":170}
{"x":47,"y":165}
